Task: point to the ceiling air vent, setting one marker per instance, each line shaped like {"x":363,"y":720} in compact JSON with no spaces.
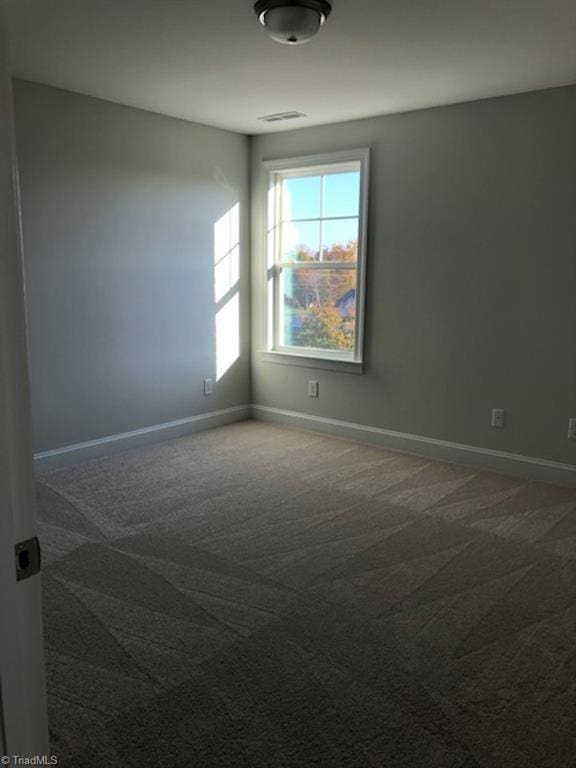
{"x":276,"y":118}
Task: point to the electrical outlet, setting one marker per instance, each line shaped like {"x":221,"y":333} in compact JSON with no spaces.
{"x":208,"y":386}
{"x":497,"y":418}
{"x":571,"y":429}
{"x":312,"y":389}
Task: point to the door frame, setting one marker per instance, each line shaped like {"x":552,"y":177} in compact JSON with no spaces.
{"x":22,"y":680}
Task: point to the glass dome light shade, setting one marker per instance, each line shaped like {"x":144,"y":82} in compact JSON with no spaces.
{"x":292,"y":24}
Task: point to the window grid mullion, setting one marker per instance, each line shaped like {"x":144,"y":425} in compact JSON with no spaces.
{"x":320,"y":254}
{"x":279,"y":202}
{"x":318,"y":265}
{"x":319,"y":218}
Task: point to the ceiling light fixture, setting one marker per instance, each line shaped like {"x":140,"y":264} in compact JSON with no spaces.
{"x":292,"y":22}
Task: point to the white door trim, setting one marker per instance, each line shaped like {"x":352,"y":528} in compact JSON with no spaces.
{"x":21,"y":646}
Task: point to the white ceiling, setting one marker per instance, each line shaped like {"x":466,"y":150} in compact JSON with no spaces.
{"x":210,"y":61}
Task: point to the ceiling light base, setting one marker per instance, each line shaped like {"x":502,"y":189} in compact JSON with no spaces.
{"x":322,"y":7}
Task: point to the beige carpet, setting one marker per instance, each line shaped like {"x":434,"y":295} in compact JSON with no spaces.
{"x":261,"y":597}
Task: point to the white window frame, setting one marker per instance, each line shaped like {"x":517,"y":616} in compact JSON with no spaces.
{"x":311,"y":165}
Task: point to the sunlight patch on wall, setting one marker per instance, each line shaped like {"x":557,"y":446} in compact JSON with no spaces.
{"x":227,"y":336}
{"x":226,"y":289}
{"x":226,"y":252}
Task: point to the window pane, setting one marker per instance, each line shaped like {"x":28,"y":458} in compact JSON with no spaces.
{"x":301,"y":198}
{"x":342,"y":194}
{"x":340,"y":240}
{"x":300,"y":241}
{"x":318,"y":308}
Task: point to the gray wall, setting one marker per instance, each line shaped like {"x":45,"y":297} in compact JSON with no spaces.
{"x":471,"y":275}
{"x":119,"y":207}
{"x":471,"y":269}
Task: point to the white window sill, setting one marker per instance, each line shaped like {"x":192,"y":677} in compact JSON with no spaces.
{"x":318,"y":363}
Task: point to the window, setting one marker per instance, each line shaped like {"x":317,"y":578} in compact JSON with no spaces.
{"x":316,"y":253}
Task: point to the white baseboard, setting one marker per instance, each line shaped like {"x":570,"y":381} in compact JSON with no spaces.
{"x":103,"y":446}
{"x":498,"y":461}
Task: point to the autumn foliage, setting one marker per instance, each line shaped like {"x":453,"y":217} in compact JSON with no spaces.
{"x":320,"y":302}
